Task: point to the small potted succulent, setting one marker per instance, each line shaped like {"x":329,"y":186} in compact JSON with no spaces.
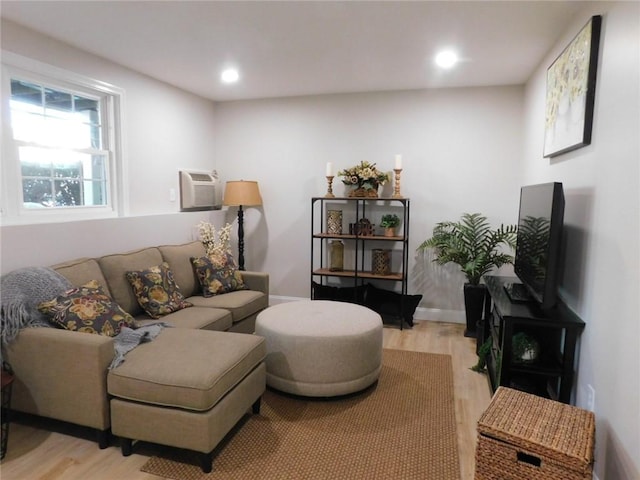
{"x":390,"y":222}
{"x":525,"y":348}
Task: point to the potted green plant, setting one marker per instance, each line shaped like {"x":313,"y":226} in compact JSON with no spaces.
{"x":390,"y":222}
{"x":483,"y":352}
{"x":472,"y":244}
{"x":525,"y":348}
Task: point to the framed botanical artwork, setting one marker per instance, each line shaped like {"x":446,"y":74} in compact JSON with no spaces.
{"x":571,"y":85}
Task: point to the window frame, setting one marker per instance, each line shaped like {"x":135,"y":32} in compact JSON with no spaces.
{"x":111,"y":98}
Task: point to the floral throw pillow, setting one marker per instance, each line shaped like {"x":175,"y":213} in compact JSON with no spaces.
{"x":87,"y":309}
{"x":218,"y":274}
{"x":157,"y":291}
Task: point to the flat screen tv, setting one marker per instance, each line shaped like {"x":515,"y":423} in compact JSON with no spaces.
{"x":538,"y":243}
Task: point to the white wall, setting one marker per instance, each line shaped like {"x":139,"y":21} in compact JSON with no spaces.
{"x":602,"y":188}
{"x":460,"y":148}
{"x":165,"y":130}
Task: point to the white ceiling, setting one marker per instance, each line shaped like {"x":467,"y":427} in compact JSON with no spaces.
{"x":307,"y":47}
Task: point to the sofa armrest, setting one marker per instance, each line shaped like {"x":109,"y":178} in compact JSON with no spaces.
{"x":62,"y":375}
{"x":258,"y":281}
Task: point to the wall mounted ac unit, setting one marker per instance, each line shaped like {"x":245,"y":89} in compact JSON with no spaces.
{"x":199,"y":191}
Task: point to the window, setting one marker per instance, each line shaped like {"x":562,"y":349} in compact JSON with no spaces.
{"x":59,"y":140}
{"x":63,"y":160}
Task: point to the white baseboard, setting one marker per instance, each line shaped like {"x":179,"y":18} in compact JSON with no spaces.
{"x":421,"y":314}
{"x":439,"y":315}
{"x":276,"y":299}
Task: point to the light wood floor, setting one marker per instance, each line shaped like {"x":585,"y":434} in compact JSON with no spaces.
{"x":46,"y":450}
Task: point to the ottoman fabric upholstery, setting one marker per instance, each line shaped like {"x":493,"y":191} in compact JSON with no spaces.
{"x":186,"y":389}
{"x":177,"y":370}
{"x":176,"y":427}
{"x":321,"y":348}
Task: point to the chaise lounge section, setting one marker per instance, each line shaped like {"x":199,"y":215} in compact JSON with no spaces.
{"x":187,"y":389}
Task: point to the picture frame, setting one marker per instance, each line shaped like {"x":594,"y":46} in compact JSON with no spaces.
{"x":571,"y":85}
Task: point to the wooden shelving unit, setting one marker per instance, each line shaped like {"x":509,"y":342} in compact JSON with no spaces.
{"x":359,"y":246}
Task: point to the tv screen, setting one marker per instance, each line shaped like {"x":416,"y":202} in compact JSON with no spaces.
{"x":538,"y":243}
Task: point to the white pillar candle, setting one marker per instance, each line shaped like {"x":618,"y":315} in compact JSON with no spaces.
{"x":398,"y":162}
{"x":329,"y":169}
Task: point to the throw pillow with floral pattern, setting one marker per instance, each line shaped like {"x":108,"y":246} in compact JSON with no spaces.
{"x":218,"y":274}
{"x":87,"y":309}
{"x":156,"y":290}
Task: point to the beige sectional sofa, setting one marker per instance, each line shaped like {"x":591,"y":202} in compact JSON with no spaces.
{"x":183,"y":376}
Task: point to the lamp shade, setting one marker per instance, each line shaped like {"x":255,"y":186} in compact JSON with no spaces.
{"x":242,"y":192}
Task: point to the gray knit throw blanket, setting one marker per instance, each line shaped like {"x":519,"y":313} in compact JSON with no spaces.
{"x":128,"y":339}
{"x":20,"y":293}
{"x":22,"y":290}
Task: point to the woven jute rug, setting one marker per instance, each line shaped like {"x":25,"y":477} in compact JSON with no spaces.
{"x":403,"y":427}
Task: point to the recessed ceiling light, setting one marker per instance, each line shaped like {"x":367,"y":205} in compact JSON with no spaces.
{"x":446,"y":59}
{"x":230,"y":75}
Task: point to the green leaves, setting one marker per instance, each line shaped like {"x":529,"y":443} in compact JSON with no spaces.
{"x":390,"y":220}
{"x":472,"y":244}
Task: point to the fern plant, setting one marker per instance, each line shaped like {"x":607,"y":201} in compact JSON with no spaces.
{"x":483,"y":352}
{"x":472,"y":244}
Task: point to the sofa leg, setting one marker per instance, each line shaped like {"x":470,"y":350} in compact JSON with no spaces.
{"x":103,"y":438}
{"x":127,"y":446}
{"x":206,"y":461}
{"x":255,"y":408}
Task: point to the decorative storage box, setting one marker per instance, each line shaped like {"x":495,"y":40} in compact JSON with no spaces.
{"x":523,"y":436}
{"x":334,"y":221}
{"x":380,"y":261}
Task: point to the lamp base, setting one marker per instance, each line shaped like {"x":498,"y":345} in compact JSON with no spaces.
{"x":240,"y":238}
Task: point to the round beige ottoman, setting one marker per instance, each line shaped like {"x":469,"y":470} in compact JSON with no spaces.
{"x":319,"y":348}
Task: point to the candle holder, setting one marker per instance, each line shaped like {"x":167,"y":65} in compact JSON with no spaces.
{"x":396,"y":186}
{"x":329,"y":193}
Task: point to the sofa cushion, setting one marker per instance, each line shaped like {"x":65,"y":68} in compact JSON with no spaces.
{"x":156,"y":290}
{"x":179,"y":259}
{"x":187,"y":369}
{"x":87,"y":309}
{"x":241,"y":304}
{"x":81,"y":271}
{"x":116,"y":266}
{"x":218,"y":274}
{"x":194,"y":317}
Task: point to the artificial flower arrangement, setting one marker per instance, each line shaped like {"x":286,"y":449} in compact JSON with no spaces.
{"x":364,"y":177}
{"x":217,"y":272}
{"x":215,"y":246}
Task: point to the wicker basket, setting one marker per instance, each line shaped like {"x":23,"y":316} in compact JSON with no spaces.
{"x":364,"y":192}
{"x":522,"y":436}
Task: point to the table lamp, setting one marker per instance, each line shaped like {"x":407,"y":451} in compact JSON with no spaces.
{"x":241,"y":193}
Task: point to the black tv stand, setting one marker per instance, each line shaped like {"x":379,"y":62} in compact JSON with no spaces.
{"x":556,"y":330}
{"x":517,"y":293}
